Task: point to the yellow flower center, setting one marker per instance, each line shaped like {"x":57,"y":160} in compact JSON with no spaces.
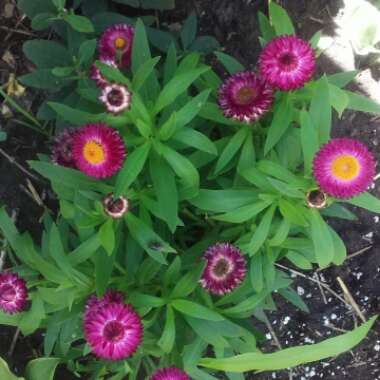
{"x":245,"y":95}
{"x":345,"y":167}
{"x":120,"y":43}
{"x":94,"y":152}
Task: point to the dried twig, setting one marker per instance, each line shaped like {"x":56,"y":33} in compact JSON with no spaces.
{"x":14,"y":162}
{"x":357,"y":253}
{"x":351,"y":299}
{"x":316,"y":275}
{"x":24,"y":32}
{"x":14,"y":341}
{"x":325,"y":286}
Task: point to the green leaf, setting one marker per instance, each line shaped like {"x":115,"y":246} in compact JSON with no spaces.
{"x":42,"y":368}
{"x":256,"y":274}
{"x":138,"y":299}
{"x":106,"y":236}
{"x":291,"y":357}
{"x":359,"y":102}
{"x":293,"y":213}
{"x":339,"y":99}
{"x":147,"y":238}
{"x":79,"y":23}
{"x":189,"y":30}
{"x":188,"y":282}
{"x":112,"y":73}
{"x":43,"y":21}
{"x":44,"y":79}
{"x":196,"y":310}
{"x":143,"y":73}
{"x":340,"y":251}
{"x":320,"y":109}
{"x":132,"y":167}
{"x":47,"y":54}
{"x":293,"y":297}
{"x":191,"y":109}
{"x":87,"y":51}
{"x":314,"y":40}
{"x":223,"y":200}
{"x":74,"y":115}
{"x":342,"y":79}
{"x":261,"y":232}
{"x":280,"y":19}
{"x":309,"y":141}
{"x":31,"y":320}
{"x":184,"y":169}
{"x":5,"y":373}
{"x":244,"y":213}
{"x":198,"y":140}
{"x":266,"y":29}
{"x":176,"y":87}
{"x":84,"y":251}
{"x":140,"y":55}
{"x":168,"y":128}
{"x":281,"y":233}
{"x":322,"y":239}
{"x":366,"y":201}
{"x":211,"y":111}
{"x":68,"y":177}
{"x":103,"y":270}
{"x":165,"y":189}
{"x":280,"y":124}
{"x":166,"y":342}
{"x":231,"y":149}
{"x":32,"y":8}
{"x":229,"y":62}
{"x":299,"y":260}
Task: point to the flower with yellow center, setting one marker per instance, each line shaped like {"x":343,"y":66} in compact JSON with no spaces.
{"x":120,"y":43}
{"x":98,"y":150}
{"x":94,"y":152}
{"x":345,"y":167}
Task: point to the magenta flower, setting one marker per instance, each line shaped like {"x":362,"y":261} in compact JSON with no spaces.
{"x":116,"y":44}
{"x":115,"y":208}
{"x":62,"y":148}
{"x":245,"y":96}
{"x":116,"y":98}
{"x":287,"y":62}
{"x":98,"y":150}
{"x":344,"y":168}
{"x":13,"y":293}
{"x":97,"y":76}
{"x":111,"y":296}
{"x":225,"y":269}
{"x":112,"y":329}
{"x":171,"y":373}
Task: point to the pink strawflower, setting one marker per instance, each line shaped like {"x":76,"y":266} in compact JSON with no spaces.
{"x":62,"y":150}
{"x":225,"y":269}
{"x":344,"y":168}
{"x":113,"y":330}
{"x":13,"y":293}
{"x":97,"y":76}
{"x":116,"y":44}
{"x":245,"y":96}
{"x":115,"y":208}
{"x":98,"y":150}
{"x":287,"y":62}
{"x":116,"y":98}
{"x":171,"y":373}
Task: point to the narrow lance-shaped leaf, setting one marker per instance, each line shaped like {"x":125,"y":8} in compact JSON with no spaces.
{"x":291,"y":357}
{"x":322,"y":239}
{"x":309,"y":141}
{"x":320,"y":110}
{"x":133,"y":165}
{"x":280,"y":19}
{"x":280,"y":124}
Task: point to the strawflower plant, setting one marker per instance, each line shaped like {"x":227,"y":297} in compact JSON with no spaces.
{"x":177,"y":197}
